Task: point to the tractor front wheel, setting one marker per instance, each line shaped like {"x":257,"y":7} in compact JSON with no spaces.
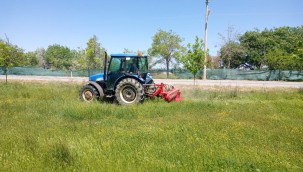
{"x":88,"y":93}
{"x":129,"y":91}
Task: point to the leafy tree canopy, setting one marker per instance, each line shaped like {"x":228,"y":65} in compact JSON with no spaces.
{"x":30,"y":59}
{"x":58,"y":57}
{"x":10,"y":55}
{"x":193,"y":60}
{"x":231,"y":52}
{"x":166,"y":47}
{"x":278,"y":48}
{"x":94,"y":54}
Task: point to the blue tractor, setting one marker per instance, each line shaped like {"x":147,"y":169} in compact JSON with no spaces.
{"x":125,"y":80}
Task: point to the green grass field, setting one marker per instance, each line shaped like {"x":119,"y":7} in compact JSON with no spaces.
{"x":45,"y":127}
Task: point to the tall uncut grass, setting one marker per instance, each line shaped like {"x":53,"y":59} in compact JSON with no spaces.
{"x":45,"y":127}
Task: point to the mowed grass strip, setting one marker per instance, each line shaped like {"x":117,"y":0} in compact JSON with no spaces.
{"x":44,"y":126}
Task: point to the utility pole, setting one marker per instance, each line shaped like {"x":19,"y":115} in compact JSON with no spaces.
{"x":205,"y":39}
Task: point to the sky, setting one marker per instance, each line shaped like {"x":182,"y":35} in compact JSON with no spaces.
{"x":131,"y":24}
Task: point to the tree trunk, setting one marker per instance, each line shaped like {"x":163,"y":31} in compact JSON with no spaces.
{"x":194,"y":79}
{"x":88,"y":71}
{"x":228,"y":65}
{"x":167,"y":69}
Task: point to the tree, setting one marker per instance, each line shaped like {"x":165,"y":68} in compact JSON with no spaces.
{"x":40,"y":54}
{"x":94,"y":53}
{"x":80,"y":59}
{"x":58,"y":57}
{"x":126,"y":50}
{"x":280,"y":59}
{"x":9,"y":56}
{"x":298,"y":55}
{"x":214,"y":62}
{"x":193,"y":60}
{"x":231,"y":52}
{"x":166,"y":46}
{"x":279,"y":48}
{"x":292,"y":44}
{"x":256,"y":45}
{"x":30,"y":59}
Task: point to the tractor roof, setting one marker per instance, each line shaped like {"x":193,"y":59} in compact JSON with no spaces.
{"x":126,"y":55}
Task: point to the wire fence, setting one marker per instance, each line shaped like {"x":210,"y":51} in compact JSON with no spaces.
{"x":47,"y":72}
{"x":212,"y":74}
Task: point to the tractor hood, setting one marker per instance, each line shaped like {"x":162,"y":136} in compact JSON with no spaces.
{"x":97,"y":77}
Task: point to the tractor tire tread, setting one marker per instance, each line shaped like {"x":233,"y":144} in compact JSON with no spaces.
{"x":135,"y":84}
{"x":92,"y":88}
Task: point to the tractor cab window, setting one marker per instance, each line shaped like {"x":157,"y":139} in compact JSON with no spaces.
{"x":115,"y":65}
{"x":143,"y":64}
{"x":131,"y":65}
{"x":124,"y":65}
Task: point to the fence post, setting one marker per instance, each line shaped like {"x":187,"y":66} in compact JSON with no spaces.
{"x":6,"y":69}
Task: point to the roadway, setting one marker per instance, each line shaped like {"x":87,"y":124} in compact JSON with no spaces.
{"x":185,"y":82}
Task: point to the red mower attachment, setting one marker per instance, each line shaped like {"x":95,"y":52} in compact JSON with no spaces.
{"x":168,"y":92}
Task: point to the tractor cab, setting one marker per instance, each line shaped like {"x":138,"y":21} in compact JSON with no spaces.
{"x":123,"y":66}
{"x":127,"y":65}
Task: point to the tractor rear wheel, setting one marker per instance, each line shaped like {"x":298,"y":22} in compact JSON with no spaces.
{"x":129,"y":91}
{"x":88,"y":93}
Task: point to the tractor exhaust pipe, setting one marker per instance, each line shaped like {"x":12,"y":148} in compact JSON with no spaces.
{"x":105,"y":64}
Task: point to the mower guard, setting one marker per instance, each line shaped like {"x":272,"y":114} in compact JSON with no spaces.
{"x":169,"y":93}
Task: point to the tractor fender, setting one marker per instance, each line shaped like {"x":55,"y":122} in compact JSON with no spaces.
{"x":98,"y":87}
